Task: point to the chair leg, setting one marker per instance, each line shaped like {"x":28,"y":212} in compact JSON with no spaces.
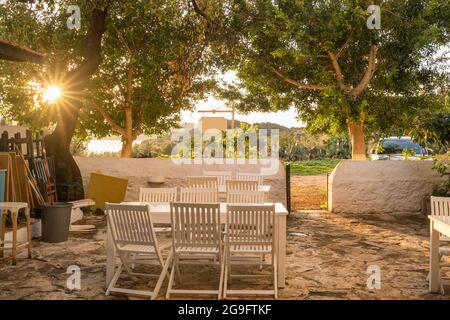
{"x":229,"y":271}
{"x":2,"y":233}
{"x":114,"y":279}
{"x":225,"y":282}
{"x":27,"y":216}
{"x":169,"y":286}
{"x":275,"y":276}
{"x":178,"y":271}
{"x":127,"y":267}
{"x":162,"y":276}
{"x":222,"y":266}
{"x":14,"y":243}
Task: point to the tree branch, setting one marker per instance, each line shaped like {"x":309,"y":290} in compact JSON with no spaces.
{"x":296,"y":83}
{"x":138,"y":123}
{"x":346,"y":44}
{"x":198,"y":10}
{"x":122,"y":39}
{"x":114,"y":126}
{"x":78,"y":77}
{"x":338,"y":72}
{"x":130,"y":74}
{"x":116,"y":97}
{"x":368,"y":75}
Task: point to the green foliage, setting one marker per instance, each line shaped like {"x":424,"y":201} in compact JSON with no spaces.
{"x":154,"y":148}
{"x":444,"y":189}
{"x":299,"y":144}
{"x":296,"y":38}
{"x":432,"y":129}
{"x":407,"y":153}
{"x":154,"y":63}
{"x":153,"y":58}
{"x":309,"y":168}
{"x":42,"y":27}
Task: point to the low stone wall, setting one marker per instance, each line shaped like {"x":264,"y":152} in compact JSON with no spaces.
{"x":381,"y":186}
{"x":146,"y":172}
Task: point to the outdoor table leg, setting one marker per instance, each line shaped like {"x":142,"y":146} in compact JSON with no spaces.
{"x":434,"y":285}
{"x":110,"y":257}
{"x":280,"y":245}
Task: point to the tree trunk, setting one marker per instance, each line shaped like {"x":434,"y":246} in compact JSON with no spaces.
{"x":127,"y":148}
{"x":57,"y":144}
{"x":356,"y":132}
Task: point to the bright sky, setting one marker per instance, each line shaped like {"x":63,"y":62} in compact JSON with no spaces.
{"x":287,"y":118}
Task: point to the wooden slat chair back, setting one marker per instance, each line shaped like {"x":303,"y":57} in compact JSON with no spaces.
{"x":134,"y":238}
{"x":51,"y":167}
{"x":440,"y":206}
{"x":131,"y":225}
{"x":195,"y":225}
{"x":202,"y":182}
{"x":196,"y":239}
{"x":250,"y":232}
{"x":157,"y":195}
{"x":251,"y":226}
{"x":40,"y":174}
{"x":245,"y":196}
{"x":251,"y":177}
{"x":234,"y":185}
{"x":222,"y":176}
{"x":199,"y":195}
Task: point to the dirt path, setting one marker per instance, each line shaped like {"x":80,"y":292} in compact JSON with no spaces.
{"x":308,"y":192}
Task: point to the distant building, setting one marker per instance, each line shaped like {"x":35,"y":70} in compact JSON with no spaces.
{"x":208,"y":123}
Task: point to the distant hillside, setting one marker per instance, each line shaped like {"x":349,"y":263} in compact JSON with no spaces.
{"x":269,"y":125}
{"x":261,"y":125}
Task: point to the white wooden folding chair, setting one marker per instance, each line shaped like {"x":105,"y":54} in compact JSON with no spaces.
{"x":245,"y":196}
{"x":199,"y":195}
{"x":203,"y":182}
{"x":440,"y":206}
{"x":221,"y":176}
{"x":249,"y":238}
{"x":247,"y":185}
{"x":157,"y":195}
{"x":135,"y":242}
{"x":196,"y":239}
{"x":251,"y":177}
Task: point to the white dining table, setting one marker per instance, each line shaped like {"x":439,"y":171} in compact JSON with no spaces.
{"x":161,"y":215}
{"x":438,"y":225}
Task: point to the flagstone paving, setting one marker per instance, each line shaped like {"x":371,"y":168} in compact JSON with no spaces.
{"x":328,"y":256}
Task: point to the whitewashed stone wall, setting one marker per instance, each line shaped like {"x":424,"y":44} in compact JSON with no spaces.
{"x":381,"y":186}
{"x":144,"y":172}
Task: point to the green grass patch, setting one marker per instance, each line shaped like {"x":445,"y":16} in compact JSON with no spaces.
{"x":310,"y":168}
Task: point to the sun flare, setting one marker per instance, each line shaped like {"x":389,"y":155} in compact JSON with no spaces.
{"x":52,"y":93}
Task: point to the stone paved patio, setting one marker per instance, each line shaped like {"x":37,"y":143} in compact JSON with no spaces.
{"x":327,"y":258}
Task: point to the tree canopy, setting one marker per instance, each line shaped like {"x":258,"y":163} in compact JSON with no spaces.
{"x":154,"y":63}
{"x":320,"y":57}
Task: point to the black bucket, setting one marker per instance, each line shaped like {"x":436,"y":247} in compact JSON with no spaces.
{"x":55,"y":221}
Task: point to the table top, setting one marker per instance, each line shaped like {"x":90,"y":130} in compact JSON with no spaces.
{"x":164,"y":208}
{"x":13,"y":205}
